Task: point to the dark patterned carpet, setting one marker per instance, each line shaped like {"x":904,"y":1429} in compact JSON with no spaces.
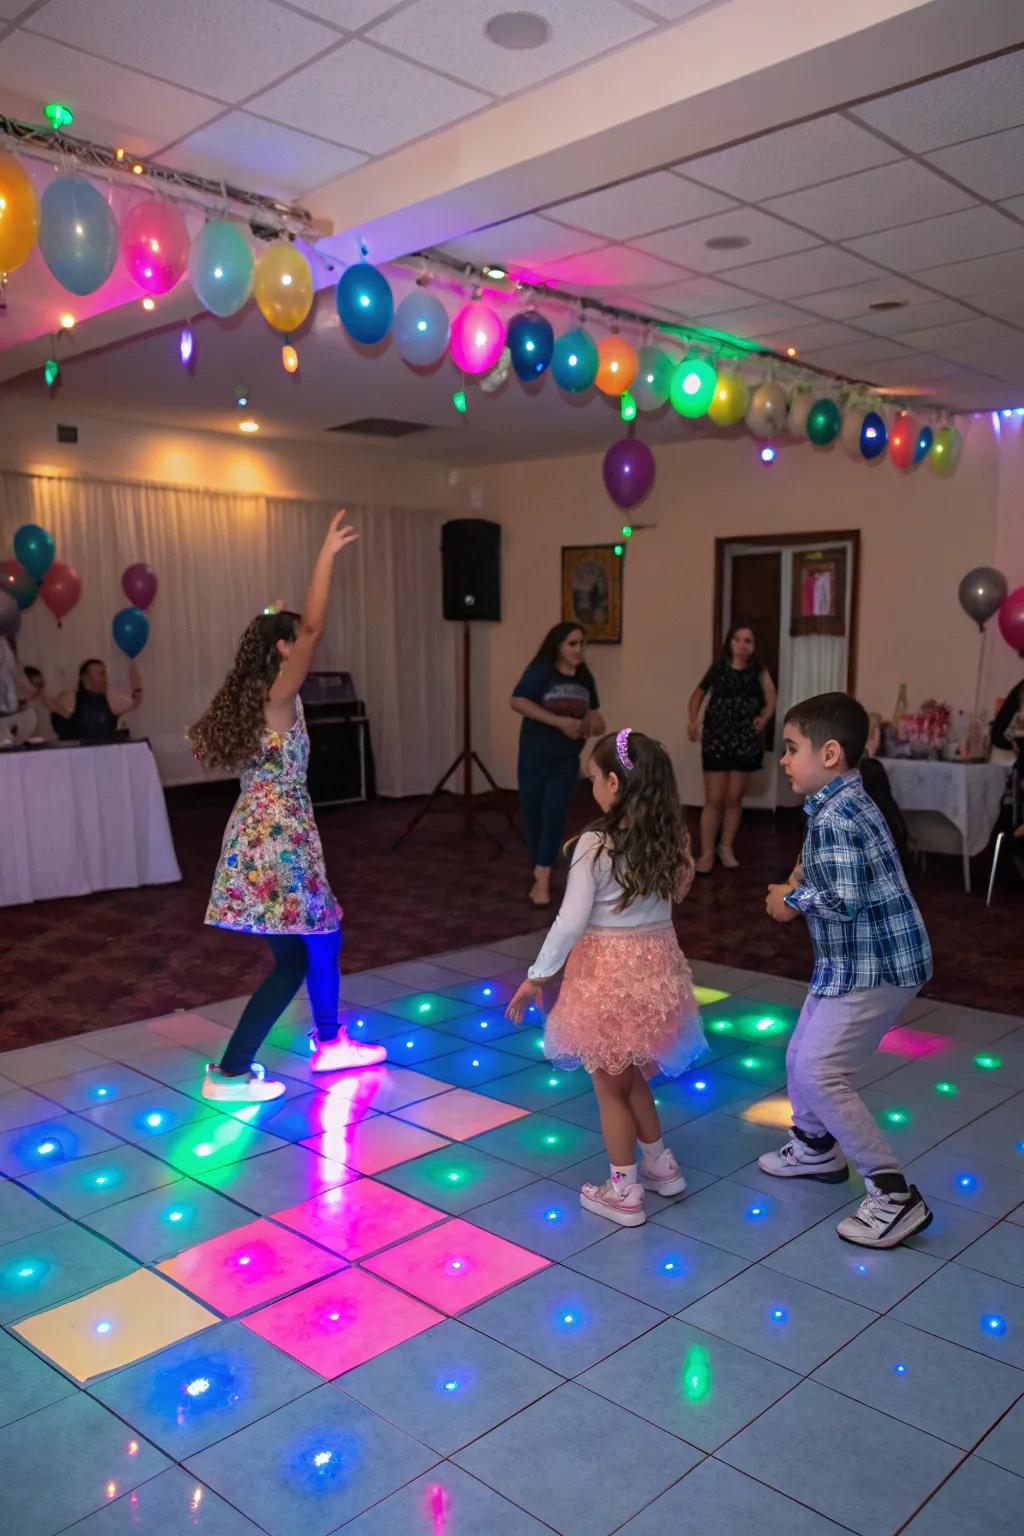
{"x":72,"y":966}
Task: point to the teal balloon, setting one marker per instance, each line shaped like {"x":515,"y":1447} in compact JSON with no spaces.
{"x":531,"y":342}
{"x":421,"y":328}
{"x":34,"y":549}
{"x":131,"y":630}
{"x":574,"y":360}
{"x":365,"y":303}
{"x":653,"y":378}
{"x":77,"y":234}
{"x":923,"y":446}
{"x":220,"y":266}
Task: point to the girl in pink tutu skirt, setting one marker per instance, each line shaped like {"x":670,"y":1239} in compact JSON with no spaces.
{"x":626,"y":1008}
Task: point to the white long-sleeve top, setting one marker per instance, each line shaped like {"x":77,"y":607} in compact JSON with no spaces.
{"x":591,"y":896}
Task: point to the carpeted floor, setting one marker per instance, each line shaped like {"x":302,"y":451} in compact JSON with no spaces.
{"x":78,"y":965}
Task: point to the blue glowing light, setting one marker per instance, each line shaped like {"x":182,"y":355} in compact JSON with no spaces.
{"x":450,"y":1386}
{"x":769,"y":455}
{"x":474,"y":1062}
{"x":700,"y":1085}
{"x":103,"y":1327}
{"x":553,"y":1215}
{"x":670,"y":1266}
{"x":778,"y":1314}
{"x":198,"y":1387}
{"x":26,"y":1271}
{"x":483,"y":1023}
{"x":967,"y":1181}
{"x":899,"y":1368}
{"x":101,"y":1093}
{"x":568,"y":1318}
{"x":754,"y":1212}
{"x":175,"y":1215}
{"x":323,"y":1458}
{"x":46,"y":1147}
{"x":488,"y":991}
{"x":409,"y":1045}
{"x":154,"y":1120}
{"x":862,"y":1269}
{"x":993,"y":1323}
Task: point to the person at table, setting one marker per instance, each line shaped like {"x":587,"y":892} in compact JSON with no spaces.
{"x":1008,"y":725}
{"x":557,"y":698}
{"x":742,"y":701}
{"x":94,"y":711}
{"x":43,"y":729}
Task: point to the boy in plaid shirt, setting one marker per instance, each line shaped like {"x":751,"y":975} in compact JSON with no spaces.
{"x":871,"y":957}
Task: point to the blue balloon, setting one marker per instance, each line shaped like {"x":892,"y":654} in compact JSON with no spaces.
{"x":365,"y":303}
{"x":220,"y":266}
{"x":77,"y":234}
{"x":34,"y":549}
{"x":131,"y":630}
{"x":421,"y":328}
{"x":574,"y":360}
{"x":531,"y":342}
{"x":874,"y":435}
{"x":922,"y":447}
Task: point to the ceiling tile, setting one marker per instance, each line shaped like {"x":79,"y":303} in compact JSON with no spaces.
{"x":675,"y":10}
{"x":449,"y":35}
{"x":901,"y":193}
{"x":696,"y":296}
{"x":855,"y":354}
{"x":9,"y":9}
{"x":350,"y":14}
{"x":963,"y":278}
{"x":227,"y":50}
{"x":640,"y":206}
{"x":955,"y":237}
{"x":993,"y":166}
{"x":254,"y":153}
{"x":915,"y":317}
{"x":791,"y":158}
{"x":1007,"y":303}
{"x":611,"y":267}
{"x":805,"y":272}
{"x":981,"y":99}
{"x":1002,"y":359}
{"x":913,"y":371}
{"x":529,"y":241}
{"x":810,"y":336}
{"x":759,"y":320}
{"x":850,"y":303}
{"x":940,"y":338}
{"x":1014,"y":206}
{"x":333,"y":97}
{"x":687,"y":244}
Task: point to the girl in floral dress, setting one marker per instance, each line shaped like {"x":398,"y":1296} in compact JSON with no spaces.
{"x":271,"y":877}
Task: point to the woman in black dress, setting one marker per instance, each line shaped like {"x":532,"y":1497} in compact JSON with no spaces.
{"x":742,"y":702}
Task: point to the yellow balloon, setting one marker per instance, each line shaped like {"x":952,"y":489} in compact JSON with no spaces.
{"x":282,"y":286}
{"x":945,"y":451}
{"x":19,"y":213}
{"x":729,"y":401}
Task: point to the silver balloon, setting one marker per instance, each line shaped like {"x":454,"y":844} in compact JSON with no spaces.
{"x":799,"y":410}
{"x":10,"y":615}
{"x":766,"y":413}
{"x":982,"y":593}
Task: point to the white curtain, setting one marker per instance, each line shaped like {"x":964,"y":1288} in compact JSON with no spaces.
{"x":817,"y":664}
{"x":219,"y":559}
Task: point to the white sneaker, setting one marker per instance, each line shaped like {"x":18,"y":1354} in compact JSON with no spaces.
{"x":343,"y":1054}
{"x":664,"y":1176}
{"x":796,"y":1160}
{"x":254,"y":1088}
{"x":617,"y":1200}
{"x":882,"y":1221}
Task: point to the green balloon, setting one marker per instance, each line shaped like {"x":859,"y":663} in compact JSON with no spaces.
{"x":823,"y":422}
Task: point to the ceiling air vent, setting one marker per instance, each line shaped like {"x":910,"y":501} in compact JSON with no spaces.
{"x":380,"y":426}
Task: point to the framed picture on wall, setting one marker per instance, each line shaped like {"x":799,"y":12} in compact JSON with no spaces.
{"x":818,"y":605}
{"x":592,"y":591}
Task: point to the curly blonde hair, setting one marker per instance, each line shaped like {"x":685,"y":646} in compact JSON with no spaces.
{"x":228,"y":734}
{"x":645,"y":832}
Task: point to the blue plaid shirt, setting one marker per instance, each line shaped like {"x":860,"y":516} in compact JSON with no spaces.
{"x":864,"y":923}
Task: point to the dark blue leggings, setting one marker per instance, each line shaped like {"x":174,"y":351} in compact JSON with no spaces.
{"x":312,"y":958}
{"x":545,"y":794}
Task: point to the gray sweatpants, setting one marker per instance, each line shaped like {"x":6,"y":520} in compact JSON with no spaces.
{"x":833,"y":1039}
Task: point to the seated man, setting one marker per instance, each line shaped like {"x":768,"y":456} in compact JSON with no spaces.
{"x":94,"y":711}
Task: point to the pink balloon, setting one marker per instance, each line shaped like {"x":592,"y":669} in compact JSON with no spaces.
{"x":154,"y":244}
{"x":60,"y":589}
{"x":1011,"y":620}
{"x":139,"y":584}
{"x":478,"y":336}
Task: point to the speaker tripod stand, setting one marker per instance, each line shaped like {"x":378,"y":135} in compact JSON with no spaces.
{"x":467,"y":759}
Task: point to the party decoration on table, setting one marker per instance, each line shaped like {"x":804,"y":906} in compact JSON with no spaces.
{"x":730,"y":401}
{"x":60,"y":590}
{"x":799,"y":410}
{"x":617,"y":364}
{"x":574,"y":360}
{"x":629,"y":471}
{"x":945,"y":452}
{"x":850,"y":431}
{"x":766,"y":413}
{"x":874,"y":435}
{"x":903,"y":440}
{"x":19,"y":213}
{"x":823,"y":422}
{"x":77,"y":234}
{"x":1011,"y":620}
{"x":220,"y":267}
{"x":421,"y":328}
{"x":10,"y":615}
{"x":34,"y":548}
{"x":693,"y":387}
{"x":365,"y":303}
{"x":282,"y":285}
{"x":131,"y":631}
{"x":982,"y":593}
{"x":653,"y":378}
{"x":477,"y":339}
{"x":923,"y":445}
{"x":531,"y":341}
{"x":139,"y":584}
{"x":17,"y":583}
{"x":155,"y":244}
{"x":491,"y":382}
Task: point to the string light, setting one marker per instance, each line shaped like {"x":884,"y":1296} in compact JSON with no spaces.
{"x":769,"y":455}
{"x":138,"y":169}
{"x":627,"y":406}
{"x":186,"y":346}
{"x":460,"y":402}
{"x":289,"y":358}
{"x":58,"y":115}
{"x":67,"y":321}
{"x":51,"y":372}
{"x":149,"y":305}
{"x":248,"y":427}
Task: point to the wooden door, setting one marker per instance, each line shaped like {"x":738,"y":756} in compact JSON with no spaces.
{"x":756,"y":600}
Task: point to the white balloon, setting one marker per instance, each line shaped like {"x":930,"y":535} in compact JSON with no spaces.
{"x":766,"y":413}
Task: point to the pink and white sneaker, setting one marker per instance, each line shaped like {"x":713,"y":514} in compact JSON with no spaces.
{"x":662,"y":1177}
{"x":617,"y":1200}
{"x":343,"y":1054}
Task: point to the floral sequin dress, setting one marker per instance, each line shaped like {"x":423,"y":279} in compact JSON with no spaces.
{"x":271,"y":877}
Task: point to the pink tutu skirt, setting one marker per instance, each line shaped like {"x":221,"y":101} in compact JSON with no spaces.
{"x":626,"y":1001}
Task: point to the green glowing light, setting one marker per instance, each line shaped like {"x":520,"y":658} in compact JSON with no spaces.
{"x":946,"y":1088}
{"x":619,"y":549}
{"x":697,"y":1374}
{"x":460,"y":402}
{"x":989,"y":1063}
{"x":627,"y":406}
{"x":897,"y":1116}
{"x":58,"y":115}
{"x":51,"y":372}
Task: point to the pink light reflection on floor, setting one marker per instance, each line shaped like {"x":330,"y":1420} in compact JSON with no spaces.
{"x":247,"y":1266}
{"x":455,"y":1265}
{"x":338,"y":1323}
{"x":375,"y":1144}
{"x":460,"y":1114}
{"x":360,"y":1218}
{"x":904,"y":1040}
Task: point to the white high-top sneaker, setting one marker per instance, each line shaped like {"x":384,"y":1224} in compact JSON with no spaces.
{"x":796,"y":1160}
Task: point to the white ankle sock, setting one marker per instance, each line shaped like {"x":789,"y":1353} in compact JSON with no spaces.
{"x":623,"y":1174}
{"x":652,"y":1150}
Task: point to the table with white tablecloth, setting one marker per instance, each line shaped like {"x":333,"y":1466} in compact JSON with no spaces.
{"x":74,"y":820}
{"x":967,"y":796}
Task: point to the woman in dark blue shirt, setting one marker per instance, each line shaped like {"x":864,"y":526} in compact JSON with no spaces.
{"x":557,"y":698}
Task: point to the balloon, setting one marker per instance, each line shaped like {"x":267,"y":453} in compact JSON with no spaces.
{"x":902,"y":441}
{"x":923,"y":446}
{"x":693,"y":387}
{"x":139,"y":584}
{"x":131,"y":630}
{"x":653,"y":378}
{"x":77,"y":234}
{"x":34,"y":547}
{"x":60,"y":589}
{"x":1011,"y":620}
{"x":617,"y":364}
{"x":421,"y":328}
{"x":766,"y":413}
{"x":849,"y":433}
{"x":945,"y":454}
{"x":628,"y":472}
{"x":729,"y":401}
{"x":478,"y":338}
{"x":17,"y":583}
{"x":874,"y":435}
{"x":365,"y":303}
{"x":823,"y":422}
{"x":220,"y":267}
{"x":531,"y":341}
{"x":19,"y":213}
{"x":574,"y":360}
{"x":982,"y":593}
{"x":154,"y":244}
{"x":282,"y":285}
{"x":799,"y":411}
{"x":10,"y":615}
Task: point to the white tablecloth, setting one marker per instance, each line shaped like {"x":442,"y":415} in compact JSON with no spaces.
{"x":79,"y":819}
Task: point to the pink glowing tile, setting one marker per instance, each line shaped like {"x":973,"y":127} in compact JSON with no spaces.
{"x":248,"y":1266}
{"x":375,"y":1144}
{"x":337,"y":1324}
{"x":188,"y":1029}
{"x":906,"y":1041}
{"x":359,"y":1219}
{"x":455,"y":1265}
{"x":460,"y":1114}
{"x":382,"y":1088}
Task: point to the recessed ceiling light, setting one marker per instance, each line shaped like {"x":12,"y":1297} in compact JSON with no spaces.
{"x":248,"y":426}
{"x":518,"y":30}
{"x":884,"y":305}
{"x":726,"y":243}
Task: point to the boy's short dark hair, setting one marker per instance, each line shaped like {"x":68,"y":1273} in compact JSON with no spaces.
{"x":833,"y":717}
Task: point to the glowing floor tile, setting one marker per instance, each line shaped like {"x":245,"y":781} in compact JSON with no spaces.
{"x":188,"y":1029}
{"x":540,"y":1143}
{"x":45,"y":1268}
{"x":775,"y":1110}
{"x":375,"y":1144}
{"x":46,"y":1143}
{"x":482,"y":1027}
{"x":278,"y":1179}
{"x":483,"y":993}
{"x":164,"y":1221}
{"x":382,"y":1089}
{"x":455,"y":1265}
{"x":743,"y":1019}
{"x":426,"y":1008}
{"x":340,"y":1322}
{"x":248,"y":1266}
{"x":904,"y":1040}
{"x":21,"y":1214}
{"x":359,"y":1219}
{"x":460,"y":1114}
{"x":90,"y":1183}
{"x":708,"y":995}
{"x":210,"y":1143}
{"x":99,"y":1085}
{"x":115,"y":1325}
{"x":147,"y":1114}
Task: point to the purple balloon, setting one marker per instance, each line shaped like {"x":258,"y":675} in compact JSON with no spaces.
{"x":628,"y":472}
{"x":139,"y":583}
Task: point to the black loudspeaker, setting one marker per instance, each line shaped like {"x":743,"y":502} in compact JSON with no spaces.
{"x":471,"y":569}
{"x":341,"y":768}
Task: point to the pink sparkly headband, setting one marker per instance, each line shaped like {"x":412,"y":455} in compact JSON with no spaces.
{"x":622,"y":747}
